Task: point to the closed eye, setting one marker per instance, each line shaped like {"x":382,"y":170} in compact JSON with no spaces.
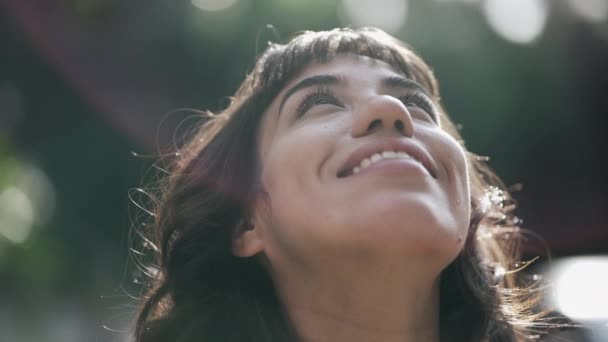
{"x":420,"y":103}
{"x":318,"y":96}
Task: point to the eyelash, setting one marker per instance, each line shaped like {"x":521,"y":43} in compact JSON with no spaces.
{"x":420,"y":100}
{"x":415,"y":97}
{"x":312,"y":98}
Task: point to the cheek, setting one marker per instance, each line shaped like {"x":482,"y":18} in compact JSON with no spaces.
{"x":291,"y":166}
{"x":459,"y":191}
{"x":295,"y":202}
{"x":295,"y":165}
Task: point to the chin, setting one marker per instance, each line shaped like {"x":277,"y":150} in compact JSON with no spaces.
{"x":411,"y":230}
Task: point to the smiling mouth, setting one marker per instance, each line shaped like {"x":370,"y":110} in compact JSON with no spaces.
{"x":377,"y":158}
{"x":405,"y":150}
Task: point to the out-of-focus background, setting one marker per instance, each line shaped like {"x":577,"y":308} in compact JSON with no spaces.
{"x":85,"y":84}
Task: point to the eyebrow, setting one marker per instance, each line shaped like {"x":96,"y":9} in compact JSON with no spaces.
{"x":310,"y":82}
{"x":405,"y":83}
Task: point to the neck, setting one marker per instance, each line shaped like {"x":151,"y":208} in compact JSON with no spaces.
{"x":394,"y":304}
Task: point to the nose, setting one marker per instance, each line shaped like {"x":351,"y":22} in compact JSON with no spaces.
{"x":382,"y":112}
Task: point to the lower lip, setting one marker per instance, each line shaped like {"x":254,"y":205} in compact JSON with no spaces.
{"x":395,"y":166}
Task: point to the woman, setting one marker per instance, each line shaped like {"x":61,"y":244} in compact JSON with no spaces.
{"x":334,"y":200}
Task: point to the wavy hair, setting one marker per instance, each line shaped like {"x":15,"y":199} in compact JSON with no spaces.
{"x":200,"y":291}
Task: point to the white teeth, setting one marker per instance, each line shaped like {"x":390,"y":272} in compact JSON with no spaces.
{"x":403,"y":155}
{"x":380,"y":156}
{"x":389,"y":154}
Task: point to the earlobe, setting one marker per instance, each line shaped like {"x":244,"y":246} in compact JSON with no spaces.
{"x":247,"y":240}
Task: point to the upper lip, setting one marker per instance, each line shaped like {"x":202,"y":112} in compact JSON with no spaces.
{"x":397,"y":145}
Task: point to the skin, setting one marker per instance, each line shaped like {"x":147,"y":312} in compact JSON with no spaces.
{"x":356,"y":258}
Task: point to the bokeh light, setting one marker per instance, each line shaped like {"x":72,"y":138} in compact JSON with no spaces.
{"x":214,"y":5}
{"x":26,"y":201}
{"x":389,"y":15}
{"x":472,"y":2}
{"x":580,"y":285}
{"x":16,"y":215}
{"x":592,"y":10}
{"x":519,"y":21}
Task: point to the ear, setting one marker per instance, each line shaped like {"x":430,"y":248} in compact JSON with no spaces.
{"x":247,"y":240}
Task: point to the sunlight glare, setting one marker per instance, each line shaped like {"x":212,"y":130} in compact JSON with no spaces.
{"x":580,"y":285}
{"x":519,"y":21}
{"x":389,"y":15}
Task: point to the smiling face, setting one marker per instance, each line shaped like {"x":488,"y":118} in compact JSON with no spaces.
{"x":356,"y":167}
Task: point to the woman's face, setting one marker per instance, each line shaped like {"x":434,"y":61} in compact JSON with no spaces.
{"x":356,"y":166}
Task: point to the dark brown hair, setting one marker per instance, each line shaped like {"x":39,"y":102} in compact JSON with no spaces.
{"x":200,"y":291}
